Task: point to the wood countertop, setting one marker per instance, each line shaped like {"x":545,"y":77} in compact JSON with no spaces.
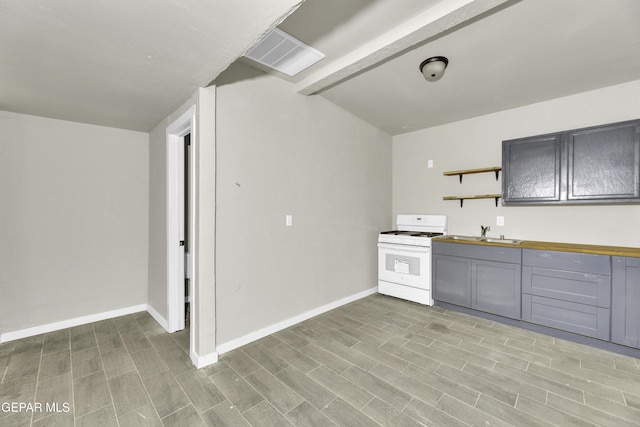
{"x":556,"y":246}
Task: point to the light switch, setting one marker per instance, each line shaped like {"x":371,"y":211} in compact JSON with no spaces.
{"x":500,"y":220}
{"x":430,"y":163}
{"x":288,"y":220}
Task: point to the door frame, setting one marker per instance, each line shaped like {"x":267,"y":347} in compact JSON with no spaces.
{"x":175,"y":133}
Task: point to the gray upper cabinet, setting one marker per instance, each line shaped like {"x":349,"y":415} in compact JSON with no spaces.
{"x":604,"y":163}
{"x":600,"y":164}
{"x":531,"y":169}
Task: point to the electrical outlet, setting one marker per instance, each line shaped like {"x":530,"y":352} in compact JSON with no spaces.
{"x":500,"y":220}
{"x":288,"y":220}
{"x":430,"y":163}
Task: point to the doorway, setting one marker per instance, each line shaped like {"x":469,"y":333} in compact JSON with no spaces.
{"x":198,"y":121}
{"x":187,"y":231}
{"x":180,"y":224}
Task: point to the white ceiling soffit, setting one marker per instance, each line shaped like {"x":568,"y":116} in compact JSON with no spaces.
{"x":122,"y":63}
{"x":434,"y":21}
{"x":284,"y":53}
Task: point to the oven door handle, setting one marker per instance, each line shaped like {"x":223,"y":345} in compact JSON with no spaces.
{"x":404,"y":248}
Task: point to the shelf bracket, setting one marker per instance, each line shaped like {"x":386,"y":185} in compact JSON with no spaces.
{"x":461,"y":200}
{"x":496,"y":198}
{"x":460,"y":176}
{"x":497,"y":174}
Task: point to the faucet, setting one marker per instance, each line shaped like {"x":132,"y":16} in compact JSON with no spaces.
{"x":483,"y":231}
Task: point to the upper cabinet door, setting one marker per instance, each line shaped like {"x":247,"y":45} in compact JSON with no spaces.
{"x":604,"y":163}
{"x":531,"y":169}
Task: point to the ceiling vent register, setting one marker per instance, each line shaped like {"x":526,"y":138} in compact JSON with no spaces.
{"x":284,"y":53}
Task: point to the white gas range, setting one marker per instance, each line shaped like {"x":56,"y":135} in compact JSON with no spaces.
{"x":404,"y":257}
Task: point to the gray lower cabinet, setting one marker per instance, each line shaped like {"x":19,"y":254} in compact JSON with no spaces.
{"x":567,"y":291}
{"x":452,"y":279}
{"x":485,"y":278}
{"x":625,"y":301}
{"x":596,"y":296}
{"x":496,"y":287}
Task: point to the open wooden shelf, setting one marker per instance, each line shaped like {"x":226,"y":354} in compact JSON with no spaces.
{"x":460,"y":173}
{"x":477,"y":196}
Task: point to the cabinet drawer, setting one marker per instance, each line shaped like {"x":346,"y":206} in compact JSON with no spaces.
{"x":568,"y":316}
{"x":488,"y":253}
{"x":582,"y":288}
{"x":570,"y":261}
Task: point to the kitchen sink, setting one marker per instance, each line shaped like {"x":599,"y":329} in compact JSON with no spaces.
{"x":483,"y":239}
{"x":503,"y":241}
{"x":467,"y":238}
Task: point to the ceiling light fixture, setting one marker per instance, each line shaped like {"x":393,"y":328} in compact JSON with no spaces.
{"x":433,"y":68}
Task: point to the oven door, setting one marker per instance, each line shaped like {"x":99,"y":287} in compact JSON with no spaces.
{"x":404,"y":265}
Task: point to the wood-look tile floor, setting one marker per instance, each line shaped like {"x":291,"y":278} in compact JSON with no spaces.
{"x":377,"y":361}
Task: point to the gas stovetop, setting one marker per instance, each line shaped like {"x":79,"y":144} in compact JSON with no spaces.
{"x":428,"y":234}
{"x":403,"y":237}
{"x":416,"y":230}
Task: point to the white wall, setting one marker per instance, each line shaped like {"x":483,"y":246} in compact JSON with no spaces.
{"x":477,"y":142}
{"x":283,"y":153}
{"x":73,"y":220}
{"x":204,"y":311}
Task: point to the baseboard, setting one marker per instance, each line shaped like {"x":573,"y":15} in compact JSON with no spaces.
{"x":158,"y":317}
{"x":202,"y":361}
{"x":70,"y":323}
{"x":261,"y":333}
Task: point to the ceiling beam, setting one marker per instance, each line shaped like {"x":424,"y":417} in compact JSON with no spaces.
{"x":435,"y":20}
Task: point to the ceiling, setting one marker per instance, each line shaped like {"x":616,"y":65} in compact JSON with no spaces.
{"x":121,"y":63}
{"x":501,"y":55}
{"x":128,"y":64}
